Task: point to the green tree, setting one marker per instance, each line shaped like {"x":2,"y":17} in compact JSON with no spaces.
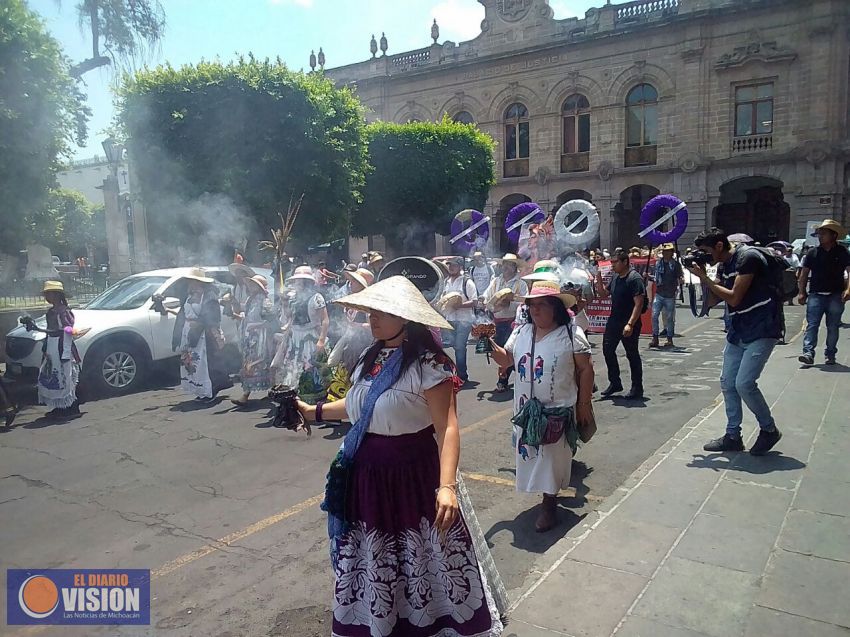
{"x":42,"y":111}
{"x":124,"y":29}
{"x":253,"y":131}
{"x":423,"y":174}
{"x":68,"y":224}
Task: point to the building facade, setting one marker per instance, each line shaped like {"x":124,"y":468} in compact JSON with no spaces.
{"x":738,"y":107}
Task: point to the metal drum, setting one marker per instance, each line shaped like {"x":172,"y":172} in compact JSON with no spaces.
{"x":423,"y":273}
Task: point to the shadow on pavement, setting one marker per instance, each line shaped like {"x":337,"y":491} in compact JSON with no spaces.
{"x":628,"y":403}
{"x":833,"y":369}
{"x":197,"y":405}
{"x":46,"y":421}
{"x":746,"y":463}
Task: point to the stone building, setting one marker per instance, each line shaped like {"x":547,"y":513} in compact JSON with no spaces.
{"x":739,"y":107}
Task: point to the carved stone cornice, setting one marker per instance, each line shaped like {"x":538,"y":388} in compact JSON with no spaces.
{"x":755,"y":50}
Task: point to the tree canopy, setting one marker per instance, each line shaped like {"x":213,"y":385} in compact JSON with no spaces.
{"x":68,"y":224}
{"x":423,"y":174}
{"x":250,"y":130}
{"x":41,"y":112}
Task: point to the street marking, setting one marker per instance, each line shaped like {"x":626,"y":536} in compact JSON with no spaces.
{"x":499,"y":415}
{"x":569,"y":492}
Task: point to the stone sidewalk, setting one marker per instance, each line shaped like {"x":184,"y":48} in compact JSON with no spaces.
{"x":704,"y":544}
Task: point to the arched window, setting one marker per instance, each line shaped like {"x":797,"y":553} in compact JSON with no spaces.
{"x":516,"y":131}
{"x":642,"y":116}
{"x":464,"y":117}
{"x":576,"y":116}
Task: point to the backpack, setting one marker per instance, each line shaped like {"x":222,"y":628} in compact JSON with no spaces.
{"x":782,"y":278}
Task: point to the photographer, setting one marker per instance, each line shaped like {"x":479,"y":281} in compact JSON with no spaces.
{"x":753,"y":327}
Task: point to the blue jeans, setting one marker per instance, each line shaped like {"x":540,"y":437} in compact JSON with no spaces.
{"x":458,"y":340}
{"x":665,"y":307}
{"x":742,"y":366}
{"x":816,"y":306}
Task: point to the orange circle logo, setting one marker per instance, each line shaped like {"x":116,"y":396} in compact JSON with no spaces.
{"x":38,"y":596}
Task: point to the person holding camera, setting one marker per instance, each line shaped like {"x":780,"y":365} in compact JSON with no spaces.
{"x":753,"y":328}
{"x":628,"y":295}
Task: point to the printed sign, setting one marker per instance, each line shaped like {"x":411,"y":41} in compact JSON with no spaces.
{"x":78,"y":596}
{"x":599,"y":310}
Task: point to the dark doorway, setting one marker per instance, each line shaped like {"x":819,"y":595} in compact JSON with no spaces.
{"x":627,"y":215}
{"x":755,"y":206}
{"x":505,"y":206}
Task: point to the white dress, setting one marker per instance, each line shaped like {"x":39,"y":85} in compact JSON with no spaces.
{"x":552,"y":371}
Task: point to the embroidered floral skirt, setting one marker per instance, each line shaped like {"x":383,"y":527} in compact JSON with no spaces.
{"x":397,"y":574}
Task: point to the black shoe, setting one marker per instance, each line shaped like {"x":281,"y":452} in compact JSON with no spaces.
{"x":10,"y":416}
{"x":501,"y":386}
{"x":806,"y":359}
{"x":635,"y":393}
{"x":611,"y":389}
{"x":73,"y":410}
{"x":726,"y":443}
{"x":765,"y":442}
{"x":830,"y":360}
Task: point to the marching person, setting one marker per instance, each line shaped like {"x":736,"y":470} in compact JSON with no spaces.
{"x":403,"y":558}
{"x":627,"y":292}
{"x":481,"y":273}
{"x":376,"y":263}
{"x":241,"y":289}
{"x":8,"y":408}
{"x":752,"y":331}
{"x":60,"y":368}
{"x":460,"y":316}
{"x":198,"y":338}
{"x":824,"y":270}
{"x":503,"y":305}
{"x":552,"y":358}
{"x":668,"y":277}
{"x":256,"y":340}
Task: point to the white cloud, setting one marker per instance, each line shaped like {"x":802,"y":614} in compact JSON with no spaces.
{"x":306,"y":4}
{"x":458,"y":20}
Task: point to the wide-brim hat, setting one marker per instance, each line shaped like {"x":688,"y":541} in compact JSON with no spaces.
{"x":375,"y":257}
{"x":362,"y":276}
{"x":505,"y":295}
{"x":831,"y":224}
{"x":304,"y":272}
{"x":198,"y":274}
{"x":241,"y":270}
{"x":542,"y":289}
{"x":53,"y":286}
{"x":666,"y":246}
{"x":450,"y":301}
{"x":396,"y":295}
{"x":260,"y":281}
{"x":544,"y":270}
{"x":512,"y":258}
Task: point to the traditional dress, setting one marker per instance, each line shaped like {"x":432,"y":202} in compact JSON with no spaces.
{"x":545,"y":469}
{"x":295,"y":358}
{"x":198,"y":340}
{"x":256,"y":344}
{"x":396,"y":574}
{"x":60,"y":370}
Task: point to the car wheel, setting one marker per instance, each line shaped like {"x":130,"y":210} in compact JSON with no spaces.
{"x":117,"y":368}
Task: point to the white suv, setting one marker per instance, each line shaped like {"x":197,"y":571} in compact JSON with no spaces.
{"x":127,"y":333}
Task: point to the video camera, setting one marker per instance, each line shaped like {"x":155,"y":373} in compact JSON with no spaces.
{"x":698,"y":258}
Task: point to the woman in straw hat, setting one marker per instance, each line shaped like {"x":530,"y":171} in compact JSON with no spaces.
{"x":60,"y":367}
{"x":555,"y":378}
{"x":354,"y":337}
{"x":255,"y":338}
{"x":305,"y":331}
{"x":402,"y":554}
{"x":503,"y":306}
{"x":197,"y":337}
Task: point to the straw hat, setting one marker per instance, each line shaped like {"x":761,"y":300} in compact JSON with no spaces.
{"x":541,"y":289}
{"x":260,"y":281}
{"x":375,"y":257}
{"x":198,"y":274}
{"x":450,"y":301}
{"x":399,"y":297}
{"x":512,"y":258}
{"x":544,"y":270}
{"x":53,"y":286}
{"x":363,"y":276}
{"x":442,"y":265}
{"x":241,"y":270}
{"x":302,"y":272}
{"x":831,"y":224}
{"x":501,"y":297}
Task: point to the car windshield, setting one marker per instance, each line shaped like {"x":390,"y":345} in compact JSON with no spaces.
{"x":128,"y":294}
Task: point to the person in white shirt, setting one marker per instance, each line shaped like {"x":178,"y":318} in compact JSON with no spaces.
{"x":461,"y":315}
{"x":505,"y":311}
{"x":481,"y":273}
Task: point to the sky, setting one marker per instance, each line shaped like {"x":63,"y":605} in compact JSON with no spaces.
{"x":224,"y":29}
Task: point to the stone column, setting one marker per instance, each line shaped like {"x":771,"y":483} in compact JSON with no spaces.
{"x":116,"y":231}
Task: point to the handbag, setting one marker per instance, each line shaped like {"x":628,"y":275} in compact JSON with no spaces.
{"x":587,"y":428}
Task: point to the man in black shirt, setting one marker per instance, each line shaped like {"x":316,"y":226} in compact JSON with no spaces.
{"x":627,"y":292}
{"x":828,"y":290}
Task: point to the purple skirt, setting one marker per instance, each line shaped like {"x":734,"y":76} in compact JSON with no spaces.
{"x":397,"y":575}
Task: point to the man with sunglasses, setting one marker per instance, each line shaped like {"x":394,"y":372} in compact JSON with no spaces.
{"x":627,"y":292}
{"x":753,"y":328}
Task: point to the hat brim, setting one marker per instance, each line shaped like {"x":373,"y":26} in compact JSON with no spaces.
{"x":542,"y":276}
{"x":303,"y":277}
{"x":500,"y":297}
{"x":396,"y":296}
{"x":567,"y":299}
{"x":241,"y":270}
{"x":199,"y":279}
{"x":258,"y":286}
{"x":354,"y":276}
{"x":837,"y":229}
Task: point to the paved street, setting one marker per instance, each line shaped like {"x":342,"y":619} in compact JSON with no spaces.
{"x":224,"y":509}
